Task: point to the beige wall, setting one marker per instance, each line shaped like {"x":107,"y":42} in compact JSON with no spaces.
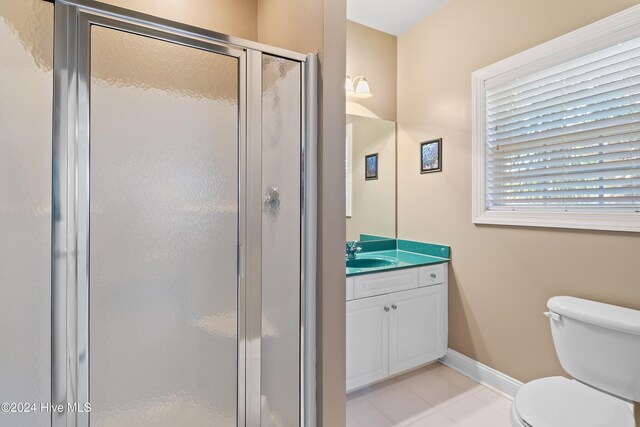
{"x":331,"y":226}
{"x":501,"y":277}
{"x":234,"y":17}
{"x":291,"y":24}
{"x":373,"y":54}
{"x":373,"y":201}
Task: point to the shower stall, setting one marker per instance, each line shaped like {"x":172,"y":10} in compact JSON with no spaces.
{"x":157,"y":222}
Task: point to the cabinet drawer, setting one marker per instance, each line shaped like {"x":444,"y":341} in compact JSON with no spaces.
{"x":432,"y":275}
{"x":349,"y":288}
{"x":383,"y":283}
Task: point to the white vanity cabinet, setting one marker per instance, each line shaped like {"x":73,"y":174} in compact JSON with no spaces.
{"x":417,"y":327}
{"x":367,"y":341}
{"x":394,"y":330}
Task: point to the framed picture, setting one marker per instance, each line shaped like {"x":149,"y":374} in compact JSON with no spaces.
{"x":371,"y":166}
{"x":431,"y":156}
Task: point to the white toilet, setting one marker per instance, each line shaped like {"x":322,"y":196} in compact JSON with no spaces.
{"x":598,"y":345}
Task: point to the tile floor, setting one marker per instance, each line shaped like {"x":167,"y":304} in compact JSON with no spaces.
{"x":433,"y":396}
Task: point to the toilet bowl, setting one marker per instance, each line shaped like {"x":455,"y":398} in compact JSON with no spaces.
{"x":516,"y":420}
{"x":599,"y":346}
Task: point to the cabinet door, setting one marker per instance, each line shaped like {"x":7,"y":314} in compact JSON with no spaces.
{"x":418,"y":327}
{"x":367,"y":341}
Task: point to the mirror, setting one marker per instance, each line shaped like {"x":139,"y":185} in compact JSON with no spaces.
{"x":371,"y":178}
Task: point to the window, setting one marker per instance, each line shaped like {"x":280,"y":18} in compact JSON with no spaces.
{"x":556,"y":132}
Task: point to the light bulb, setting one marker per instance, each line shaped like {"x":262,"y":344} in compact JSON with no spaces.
{"x":362,"y":88}
{"x":348,"y":84}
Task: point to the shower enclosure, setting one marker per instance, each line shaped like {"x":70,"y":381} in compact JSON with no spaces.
{"x":157,"y":251}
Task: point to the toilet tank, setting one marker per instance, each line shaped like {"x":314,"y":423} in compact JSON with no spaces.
{"x":598,"y":344}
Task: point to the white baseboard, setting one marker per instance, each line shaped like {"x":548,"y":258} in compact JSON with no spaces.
{"x":483,"y":374}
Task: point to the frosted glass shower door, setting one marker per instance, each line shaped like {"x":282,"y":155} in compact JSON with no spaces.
{"x":163,"y":233}
{"x":26,"y":81}
{"x":281,"y":237}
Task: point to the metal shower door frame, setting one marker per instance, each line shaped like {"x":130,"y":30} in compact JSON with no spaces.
{"x":70,"y":204}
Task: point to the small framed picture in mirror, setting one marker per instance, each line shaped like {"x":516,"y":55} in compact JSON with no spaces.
{"x":371,"y":167}
{"x":431,"y":156}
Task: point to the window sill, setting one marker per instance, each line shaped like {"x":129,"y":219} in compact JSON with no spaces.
{"x":629,"y":222}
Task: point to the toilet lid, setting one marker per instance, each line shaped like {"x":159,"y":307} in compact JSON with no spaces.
{"x":559,"y":402}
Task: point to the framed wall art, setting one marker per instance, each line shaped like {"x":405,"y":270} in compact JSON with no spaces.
{"x":371,"y":166}
{"x":431,"y":156}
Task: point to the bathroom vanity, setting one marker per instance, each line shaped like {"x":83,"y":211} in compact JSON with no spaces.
{"x":396,"y":313}
{"x":396,"y":289}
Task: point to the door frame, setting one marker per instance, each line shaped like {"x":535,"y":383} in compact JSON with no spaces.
{"x":70,"y":202}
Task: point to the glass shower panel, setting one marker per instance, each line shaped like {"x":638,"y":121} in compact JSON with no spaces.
{"x":281,"y":159}
{"x":163,"y":233}
{"x":26,"y":96}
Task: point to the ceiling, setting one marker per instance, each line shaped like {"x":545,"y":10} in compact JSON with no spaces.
{"x":394,"y":17}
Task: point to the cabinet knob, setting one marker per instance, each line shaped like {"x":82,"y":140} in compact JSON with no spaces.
{"x":433,"y":275}
{"x":386,"y":309}
{"x":395,"y":307}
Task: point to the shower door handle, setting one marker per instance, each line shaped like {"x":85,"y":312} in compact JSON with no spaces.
{"x":272,"y":199}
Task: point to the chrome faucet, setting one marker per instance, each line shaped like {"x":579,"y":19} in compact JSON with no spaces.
{"x":352,"y":249}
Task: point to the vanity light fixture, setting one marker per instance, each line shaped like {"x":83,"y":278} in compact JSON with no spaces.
{"x":357,"y":87}
{"x":348,"y":86}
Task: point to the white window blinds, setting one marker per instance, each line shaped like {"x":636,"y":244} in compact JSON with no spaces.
{"x":566,"y":138}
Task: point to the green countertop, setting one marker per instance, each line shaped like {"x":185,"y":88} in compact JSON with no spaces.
{"x":398,"y":258}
